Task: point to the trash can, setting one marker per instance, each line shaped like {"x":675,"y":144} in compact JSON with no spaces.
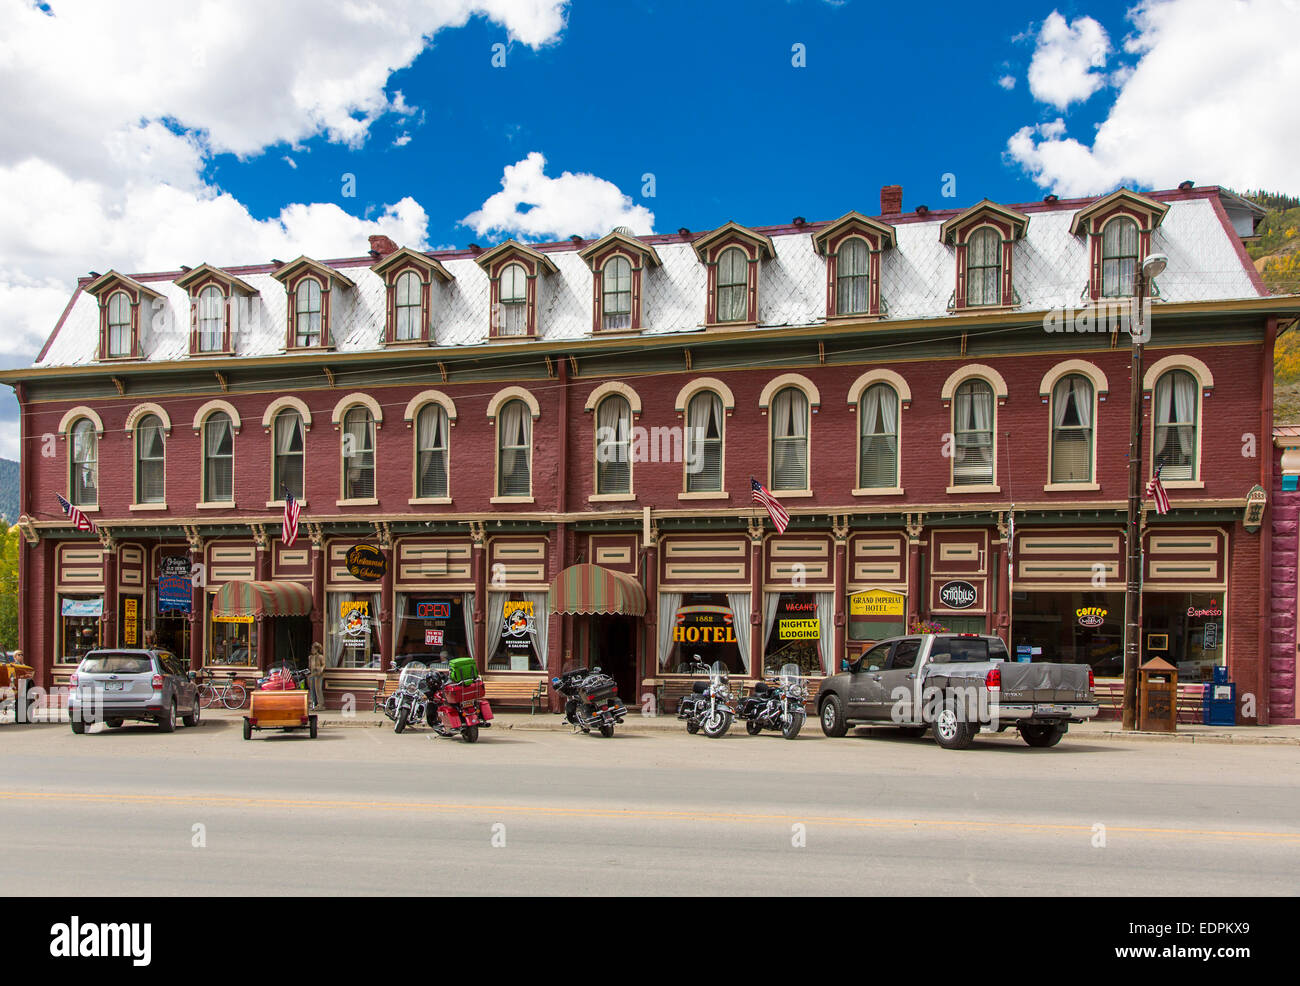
{"x":1219,"y":701}
{"x":1158,"y":696}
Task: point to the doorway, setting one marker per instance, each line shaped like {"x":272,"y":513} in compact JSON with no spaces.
{"x":611,"y":646}
{"x":292,"y":641}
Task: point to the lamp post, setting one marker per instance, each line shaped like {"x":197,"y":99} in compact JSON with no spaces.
{"x":1151,"y":268}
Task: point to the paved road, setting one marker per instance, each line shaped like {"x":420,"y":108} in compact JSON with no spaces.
{"x":366,"y":811}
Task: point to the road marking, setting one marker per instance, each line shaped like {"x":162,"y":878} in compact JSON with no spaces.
{"x":644,"y":814}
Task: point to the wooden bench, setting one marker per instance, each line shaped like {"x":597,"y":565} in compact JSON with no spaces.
{"x":386,"y":689}
{"x":517,"y":691}
{"x":1110,"y":697}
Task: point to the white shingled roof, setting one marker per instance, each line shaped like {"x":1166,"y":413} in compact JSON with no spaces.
{"x":917,"y":280}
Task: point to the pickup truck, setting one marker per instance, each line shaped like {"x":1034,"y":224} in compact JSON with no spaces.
{"x":960,"y":684}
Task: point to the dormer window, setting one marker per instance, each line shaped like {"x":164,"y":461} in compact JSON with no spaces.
{"x":312,"y":289}
{"x":852,"y":246}
{"x":410,"y":278}
{"x":514,"y":276}
{"x":213,"y":308}
{"x":732,"y":256}
{"x":983,"y":240}
{"x":1119,"y":228}
{"x":212,"y":320}
{"x":618,"y":261}
{"x":120,"y":300}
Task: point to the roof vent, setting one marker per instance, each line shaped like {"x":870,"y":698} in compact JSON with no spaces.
{"x":1049,"y":199}
{"x":798,"y":221}
{"x":922,"y":210}
{"x":624,"y":230}
{"x":1184,"y":186}
{"x":474,"y":248}
{"x":683,"y":231}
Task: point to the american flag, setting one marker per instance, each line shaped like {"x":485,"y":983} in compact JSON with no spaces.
{"x":289,"y":530}
{"x":1156,"y":491}
{"x":778,"y":513}
{"x":79,"y":520}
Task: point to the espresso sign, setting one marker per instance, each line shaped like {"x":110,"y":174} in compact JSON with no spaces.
{"x":957,"y":595}
{"x":366,"y":562}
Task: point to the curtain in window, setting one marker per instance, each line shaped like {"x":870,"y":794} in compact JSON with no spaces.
{"x":704,"y":418}
{"x":307,"y":314}
{"x":516,"y":438}
{"x":467,"y":611}
{"x":431,"y":459}
{"x":211,"y":320}
{"x":513,"y":298}
{"x":1119,"y":248}
{"x":984,"y":268}
{"x":853,"y":283}
{"x":1185,"y":406}
{"x":739,"y":603}
{"x":669,"y":604}
{"x":613,"y":432}
{"x":406,"y":322}
{"x":358,"y":454}
{"x":541,"y":623}
{"x":790,"y":440}
{"x":1072,"y":430}
{"x":219,"y":468}
{"x":974,"y":434}
{"x":495,"y":622}
{"x":288,"y":454}
{"x":826,"y":630}
{"x":1175,"y":433}
{"x":616,"y":301}
{"x":771,"y":600}
{"x":119,"y":325}
{"x":85,"y":464}
{"x":151,"y":453}
{"x":879,"y":438}
{"x":733,"y":286}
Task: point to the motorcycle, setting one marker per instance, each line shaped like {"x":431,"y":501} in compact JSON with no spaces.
{"x":408,"y":701}
{"x":708,"y":707}
{"x":590,"y":700}
{"x":777,"y":704}
{"x":456,"y":706}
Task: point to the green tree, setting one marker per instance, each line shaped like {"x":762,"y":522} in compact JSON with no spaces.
{"x":8,"y":586}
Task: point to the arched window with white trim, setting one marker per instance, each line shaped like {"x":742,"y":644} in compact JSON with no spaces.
{"x":290,"y":455}
{"x":704,"y":443}
{"x":1119,"y":256}
{"x":150,"y":460}
{"x":83,"y":465}
{"x":613,"y":445}
{"x":358,"y":453}
{"x":431,"y":430}
{"x":211,"y":320}
{"x":307,"y":313}
{"x":790,"y":440}
{"x":1176,"y":426}
{"x":513,"y":301}
{"x":878,"y":437}
{"x":1072,"y":429}
{"x":972,"y":425}
{"x":407,"y":306}
{"x":514,"y":449}
{"x":119,"y":324}
{"x":218,"y":459}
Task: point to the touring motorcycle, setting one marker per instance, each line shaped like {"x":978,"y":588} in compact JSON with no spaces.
{"x":708,"y":708}
{"x":777,"y":704}
{"x":449,"y":701}
{"x":590,"y":700}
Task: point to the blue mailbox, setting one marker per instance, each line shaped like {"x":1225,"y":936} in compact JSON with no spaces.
{"x":1219,"y":701}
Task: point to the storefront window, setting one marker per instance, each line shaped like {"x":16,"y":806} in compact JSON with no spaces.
{"x":1187,"y":629}
{"x":798,"y":628}
{"x":1070,"y":628}
{"x":876,"y":614}
{"x":231,"y":641}
{"x":517,"y":631}
{"x":704,"y":627}
{"x":431,"y":627}
{"x":79,"y":626}
{"x":352,"y":640}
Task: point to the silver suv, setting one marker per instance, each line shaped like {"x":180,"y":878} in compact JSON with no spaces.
{"x":116,"y":685}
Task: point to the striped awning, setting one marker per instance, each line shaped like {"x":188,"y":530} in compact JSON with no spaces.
{"x":593,"y":589}
{"x":257,"y":599}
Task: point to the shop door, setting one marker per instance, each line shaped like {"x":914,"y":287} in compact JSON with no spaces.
{"x":612,"y":648}
{"x":292,"y":641}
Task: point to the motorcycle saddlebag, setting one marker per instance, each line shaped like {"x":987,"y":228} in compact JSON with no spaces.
{"x":485,"y":711}
{"x":449,"y":718}
{"x":458,"y":694}
{"x":598,"y":689}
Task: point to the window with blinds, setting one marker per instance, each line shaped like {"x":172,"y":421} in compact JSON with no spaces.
{"x":431,"y":452}
{"x":878,"y":437}
{"x":289,"y":455}
{"x":972,"y":463}
{"x":704,"y":462}
{"x":613,"y":446}
{"x":358,"y":454}
{"x":218,"y":459}
{"x":150,"y":457}
{"x":83,"y":483}
{"x":514,"y":438}
{"x":1176,"y":436}
{"x":790,"y":440}
{"x":1072,"y":430}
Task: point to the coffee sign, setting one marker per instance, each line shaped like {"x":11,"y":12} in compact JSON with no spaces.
{"x":957,"y":594}
{"x":366,"y":562}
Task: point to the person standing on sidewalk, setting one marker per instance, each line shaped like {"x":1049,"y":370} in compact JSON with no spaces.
{"x":316,"y":675}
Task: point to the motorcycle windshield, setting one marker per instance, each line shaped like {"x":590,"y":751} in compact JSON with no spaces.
{"x":790,"y":674}
{"x":718,"y":672}
{"x":412,"y":674}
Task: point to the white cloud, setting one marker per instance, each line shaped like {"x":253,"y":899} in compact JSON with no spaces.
{"x":1007,"y":82}
{"x":402,"y":140}
{"x":1207,"y":100}
{"x":1066,"y":60}
{"x":533,"y":205}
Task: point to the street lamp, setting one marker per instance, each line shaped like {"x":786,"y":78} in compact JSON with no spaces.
{"x":1152,"y":267}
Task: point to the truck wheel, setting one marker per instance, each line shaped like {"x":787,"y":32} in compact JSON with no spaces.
{"x":78,"y":726}
{"x":951,"y":731}
{"x":1042,"y":736}
{"x":832,"y":716}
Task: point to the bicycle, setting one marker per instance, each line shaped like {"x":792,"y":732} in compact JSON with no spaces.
{"x":231,"y":694}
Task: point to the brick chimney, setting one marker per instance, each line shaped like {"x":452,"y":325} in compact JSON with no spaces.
{"x":891,"y":200}
{"x":382,"y":246}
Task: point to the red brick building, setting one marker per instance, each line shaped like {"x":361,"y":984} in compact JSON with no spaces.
{"x":939,"y":399}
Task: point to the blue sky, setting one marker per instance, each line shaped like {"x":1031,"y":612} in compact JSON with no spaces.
{"x":225,"y":130}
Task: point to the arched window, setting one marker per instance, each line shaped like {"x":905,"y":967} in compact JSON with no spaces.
{"x":1072,"y":429}
{"x":513,"y":301}
{"x":83,"y":482}
{"x":790,"y":440}
{"x":307,"y":313}
{"x":218,"y":459}
{"x":289,"y":455}
{"x":1119,"y":254}
{"x":514,"y":450}
{"x":119,"y":324}
{"x":972,"y":426}
{"x":878,"y":437}
{"x":616,"y":294}
{"x":406,"y":325}
{"x":853,"y":278}
{"x":613,"y":445}
{"x":358,"y":454}
{"x":212,"y":320}
{"x":431,"y":452}
{"x":984,"y":268}
{"x":704,"y":443}
{"x":1176,"y":396}
{"x":150,"y":460}
{"x":733,"y":286}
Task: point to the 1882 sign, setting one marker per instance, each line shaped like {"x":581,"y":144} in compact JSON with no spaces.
{"x":957,"y":594}
{"x":366,"y":562}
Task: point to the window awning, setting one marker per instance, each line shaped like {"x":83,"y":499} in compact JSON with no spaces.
{"x":593,"y":589}
{"x":257,"y":599}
